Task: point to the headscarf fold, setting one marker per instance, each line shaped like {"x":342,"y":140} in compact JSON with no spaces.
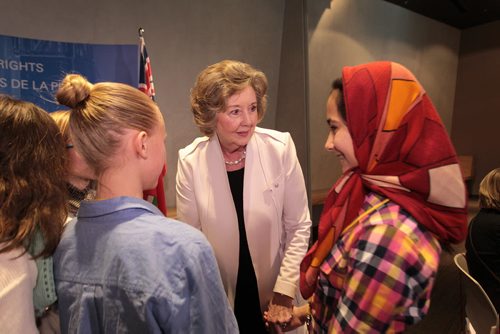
{"x":404,"y":154}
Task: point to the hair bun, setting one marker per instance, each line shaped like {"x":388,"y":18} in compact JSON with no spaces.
{"x":74,"y":89}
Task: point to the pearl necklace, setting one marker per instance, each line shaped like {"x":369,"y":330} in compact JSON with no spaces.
{"x":235,"y":162}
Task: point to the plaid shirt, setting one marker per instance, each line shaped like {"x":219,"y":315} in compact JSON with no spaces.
{"x":378,"y":276}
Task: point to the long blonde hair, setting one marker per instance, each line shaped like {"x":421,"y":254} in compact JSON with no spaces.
{"x":100,"y":113}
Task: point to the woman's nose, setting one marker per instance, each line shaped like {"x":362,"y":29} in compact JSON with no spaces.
{"x":329,"y":142}
{"x":246,"y":118}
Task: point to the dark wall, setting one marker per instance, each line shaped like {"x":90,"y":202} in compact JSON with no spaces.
{"x":476,"y":116}
{"x":291,"y":111}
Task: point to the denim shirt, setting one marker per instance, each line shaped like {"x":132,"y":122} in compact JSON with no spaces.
{"x":123,"y":267}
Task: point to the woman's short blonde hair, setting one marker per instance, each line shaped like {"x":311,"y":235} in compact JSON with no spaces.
{"x":99,"y":115}
{"x":489,"y":190}
{"x":216,"y":83}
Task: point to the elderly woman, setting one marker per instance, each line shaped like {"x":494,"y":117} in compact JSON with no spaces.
{"x":243,"y":187}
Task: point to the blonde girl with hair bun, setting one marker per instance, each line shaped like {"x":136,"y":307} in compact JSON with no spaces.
{"x":121,"y":265}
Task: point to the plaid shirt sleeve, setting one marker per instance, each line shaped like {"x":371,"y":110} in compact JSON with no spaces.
{"x":391,"y":270}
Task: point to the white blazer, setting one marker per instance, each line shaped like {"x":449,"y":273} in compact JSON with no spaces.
{"x":275,"y":208}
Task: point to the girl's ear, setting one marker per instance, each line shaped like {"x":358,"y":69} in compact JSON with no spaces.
{"x":141,"y":144}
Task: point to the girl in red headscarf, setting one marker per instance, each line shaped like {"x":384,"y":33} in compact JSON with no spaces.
{"x":400,"y":196}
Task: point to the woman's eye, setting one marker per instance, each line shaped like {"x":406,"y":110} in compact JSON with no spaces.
{"x":234,"y":112}
{"x":253,"y":108}
{"x":333,"y":129}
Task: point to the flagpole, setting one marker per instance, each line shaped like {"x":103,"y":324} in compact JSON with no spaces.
{"x":157,"y":195}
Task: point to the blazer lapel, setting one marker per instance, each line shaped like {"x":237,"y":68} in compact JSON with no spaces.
{"x":222,"y":228}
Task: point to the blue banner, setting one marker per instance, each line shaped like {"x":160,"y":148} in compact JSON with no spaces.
{"x":32,"y":69}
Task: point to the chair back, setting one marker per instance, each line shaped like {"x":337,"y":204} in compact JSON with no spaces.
{"x":478,"y":306}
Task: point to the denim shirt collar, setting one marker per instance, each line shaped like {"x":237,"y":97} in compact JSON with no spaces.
{"x":96,"y":208}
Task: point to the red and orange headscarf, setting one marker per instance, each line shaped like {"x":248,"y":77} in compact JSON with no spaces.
{"x":404,"y":154}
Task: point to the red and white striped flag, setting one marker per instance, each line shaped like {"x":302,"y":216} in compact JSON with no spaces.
{"x":146,"y":85}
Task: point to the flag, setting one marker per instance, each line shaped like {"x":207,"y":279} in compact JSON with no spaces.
{"x":146,"y":85}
